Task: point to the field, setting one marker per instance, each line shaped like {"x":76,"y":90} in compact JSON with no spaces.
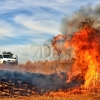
{"x":44,"y":67}
{"x":52,"y":72}
{"x":92,"y":96}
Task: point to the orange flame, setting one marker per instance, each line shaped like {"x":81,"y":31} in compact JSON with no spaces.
{"x":86,"y":44}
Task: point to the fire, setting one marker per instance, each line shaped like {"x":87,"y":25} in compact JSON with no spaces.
{"x":92,"y":74}
{"x":57,"y":45}
{"x":86,"y":44}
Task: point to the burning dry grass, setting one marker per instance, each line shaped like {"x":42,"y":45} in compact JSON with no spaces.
{"x":90,"y":96}
{"x":50,"y":78}
{"x":16,"y":83}
{"x":42,"y":82}
{"x":85,"y":42}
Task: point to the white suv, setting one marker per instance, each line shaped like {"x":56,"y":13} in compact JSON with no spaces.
{"x":8,"y":59}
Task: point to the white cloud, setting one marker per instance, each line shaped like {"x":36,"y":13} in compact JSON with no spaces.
{"x":6,"y":30}
{"x":63,"y":1}
{"x":38,"y":26}
{"x":59,"y":5}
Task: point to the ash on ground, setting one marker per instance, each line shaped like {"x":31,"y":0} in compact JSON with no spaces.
{"x":13,"y":83}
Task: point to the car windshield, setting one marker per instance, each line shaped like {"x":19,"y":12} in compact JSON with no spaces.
{"x":1,"y":56}
{"x":6,"y":56}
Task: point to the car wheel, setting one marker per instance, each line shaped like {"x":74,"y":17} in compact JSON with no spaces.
{"x":4,"y":62}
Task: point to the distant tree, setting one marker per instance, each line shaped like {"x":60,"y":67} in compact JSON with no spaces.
{"x":8,"y":53}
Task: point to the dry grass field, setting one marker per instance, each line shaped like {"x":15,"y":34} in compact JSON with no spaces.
{"x":44,"y":67}
{"x":47,"y":68}
{"x":91,"y":96}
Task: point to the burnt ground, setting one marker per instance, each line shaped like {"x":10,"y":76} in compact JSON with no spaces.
{"x":13,"y":83}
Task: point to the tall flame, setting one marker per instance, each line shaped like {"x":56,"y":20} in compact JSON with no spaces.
{"x":86,"y":44}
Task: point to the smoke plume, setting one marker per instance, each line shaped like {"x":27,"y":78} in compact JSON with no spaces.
{"x":85,"y":13}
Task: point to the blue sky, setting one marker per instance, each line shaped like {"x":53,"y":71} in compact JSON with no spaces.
{"x":27,"y":22}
